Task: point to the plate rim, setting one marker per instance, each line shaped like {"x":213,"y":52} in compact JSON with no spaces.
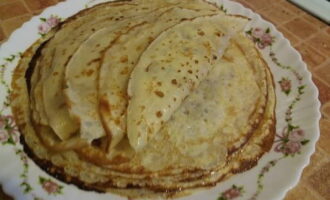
{"x":19,"y":32}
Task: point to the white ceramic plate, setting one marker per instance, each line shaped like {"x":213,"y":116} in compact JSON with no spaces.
{"x":297,"y":114}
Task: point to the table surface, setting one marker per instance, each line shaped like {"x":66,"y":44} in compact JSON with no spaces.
{"x":310,"y":36}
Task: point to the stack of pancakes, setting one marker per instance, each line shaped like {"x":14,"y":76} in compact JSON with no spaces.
{"x":145,"y":98}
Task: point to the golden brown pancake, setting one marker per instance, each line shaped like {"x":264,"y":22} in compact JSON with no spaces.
{"x":148,"y":98}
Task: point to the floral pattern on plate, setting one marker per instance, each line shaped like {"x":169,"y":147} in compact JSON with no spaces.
{"x":291,"y":139}
{"x":48,"y":24}
{"x":289,"y":142}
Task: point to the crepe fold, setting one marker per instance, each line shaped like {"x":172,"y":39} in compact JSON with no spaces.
{"x":145,"y":98}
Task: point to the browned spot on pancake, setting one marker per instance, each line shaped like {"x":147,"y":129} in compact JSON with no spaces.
{"x":174,"y":81}
{"x":93,"y":61}
{"x":18,"y":115}
{"x":190,"y":179}
{"x":219,"y":34}
{"x":266,"y":145}
{"x":55,"y":73}
{"x":196,"y":61}
{"x":62,"y":105}
{"x":97,"y":156}
{"x":125,"y":71}
{"x":215,"y":57}
{"x":124,"y":59}
{"x":190,"y":71}
{"x":68,"y":60}
{"x":150,"y":39}
{"x":138,"y":48}
{"x":69,"y":104}
{"x":200,"y":32}
{"x":13,"y":96}
{"x":159,"y":93}
{"x":159,"y":114}
{"x":245,"y":165}
{"x":117,"y":121}
{"x":159,"y":83}
{"x":231,"y":111}
{"x":88,"y":72}
{"x":228,"y":59}
{"x":207,"y":45}
{"x":147,"y":68}
{"x":104,"y":105}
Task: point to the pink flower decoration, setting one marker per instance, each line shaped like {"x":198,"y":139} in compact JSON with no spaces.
{"x":232,"y":193}
{"x":261,"y":45}
{"x":53,"y":21}
{"x":25,"y":160}
{"x":257,"y":33}
{"x":267,"y":39}
{"x":48,"y":24}
{"x":3,"y":136}
{"x":44,"y":28}
{"x":15,"y":138}
{"x":261,"y":37}
{"x":279,"y":147}
{"x":50,"y":187}
{"x":290,"y":140}
{"x":297,"y":135}
{"x":292,"y":147}
{"x":2,"y":123}
{"x":285,"y":85}
{"x":11,"y":121}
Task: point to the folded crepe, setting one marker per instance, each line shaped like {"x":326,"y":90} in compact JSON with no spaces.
{"x":77,"y":30}
{"x":173,"y":66}
{"x":148,"y":98}
{"x":86,"y":78}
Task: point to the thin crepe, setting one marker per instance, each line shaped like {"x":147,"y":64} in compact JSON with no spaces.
{"x":173,"y":66}
{"x":120,"y":59}
{"x":169,"y":182}
{"x":204,"y":141}
{"x":52,"y":80}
